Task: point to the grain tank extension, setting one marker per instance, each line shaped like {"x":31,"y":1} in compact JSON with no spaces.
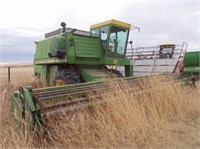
{"x":68,"y":56}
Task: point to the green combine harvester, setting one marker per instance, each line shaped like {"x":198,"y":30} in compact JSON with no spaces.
{"x":69,"y":56}
{"x":74,"y":63}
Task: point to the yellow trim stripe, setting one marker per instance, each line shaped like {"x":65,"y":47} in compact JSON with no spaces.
{"x":166,"y":45}
{"x":115,"y":22}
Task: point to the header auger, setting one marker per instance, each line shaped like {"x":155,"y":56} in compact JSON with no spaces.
{"x":35,"y":106}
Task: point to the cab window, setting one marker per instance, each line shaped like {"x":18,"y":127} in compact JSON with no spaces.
{"x":117,"y":41}
{"x":104,"y":36}
{"x":167,"y":52}
{"x":95,"y":32}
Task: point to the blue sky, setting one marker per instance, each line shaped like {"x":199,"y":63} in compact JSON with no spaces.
{"x":161,"y":21}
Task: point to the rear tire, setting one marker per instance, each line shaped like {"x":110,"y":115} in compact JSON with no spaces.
{"x":68,"y":76}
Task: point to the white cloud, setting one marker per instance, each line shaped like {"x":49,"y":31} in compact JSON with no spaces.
{"x":160,"y":21}
{"x":48,"y":14}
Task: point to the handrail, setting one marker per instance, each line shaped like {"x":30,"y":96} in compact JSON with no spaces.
{"x":150,"y":52}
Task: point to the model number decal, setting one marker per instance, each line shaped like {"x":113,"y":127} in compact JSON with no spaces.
{"x":115,"y":61}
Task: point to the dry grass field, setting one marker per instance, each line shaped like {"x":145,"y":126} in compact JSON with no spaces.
{"x":18,"y":74}
{"x":157,"y":114}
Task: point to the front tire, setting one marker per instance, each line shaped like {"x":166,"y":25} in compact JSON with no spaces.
{"x":66,"y":76}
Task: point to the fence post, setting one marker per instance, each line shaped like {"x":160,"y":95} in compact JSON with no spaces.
{"x":8,"y":74}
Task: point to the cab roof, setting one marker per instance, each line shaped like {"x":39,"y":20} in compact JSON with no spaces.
{"x":113,"y":22}
{"x":167,"y":45}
